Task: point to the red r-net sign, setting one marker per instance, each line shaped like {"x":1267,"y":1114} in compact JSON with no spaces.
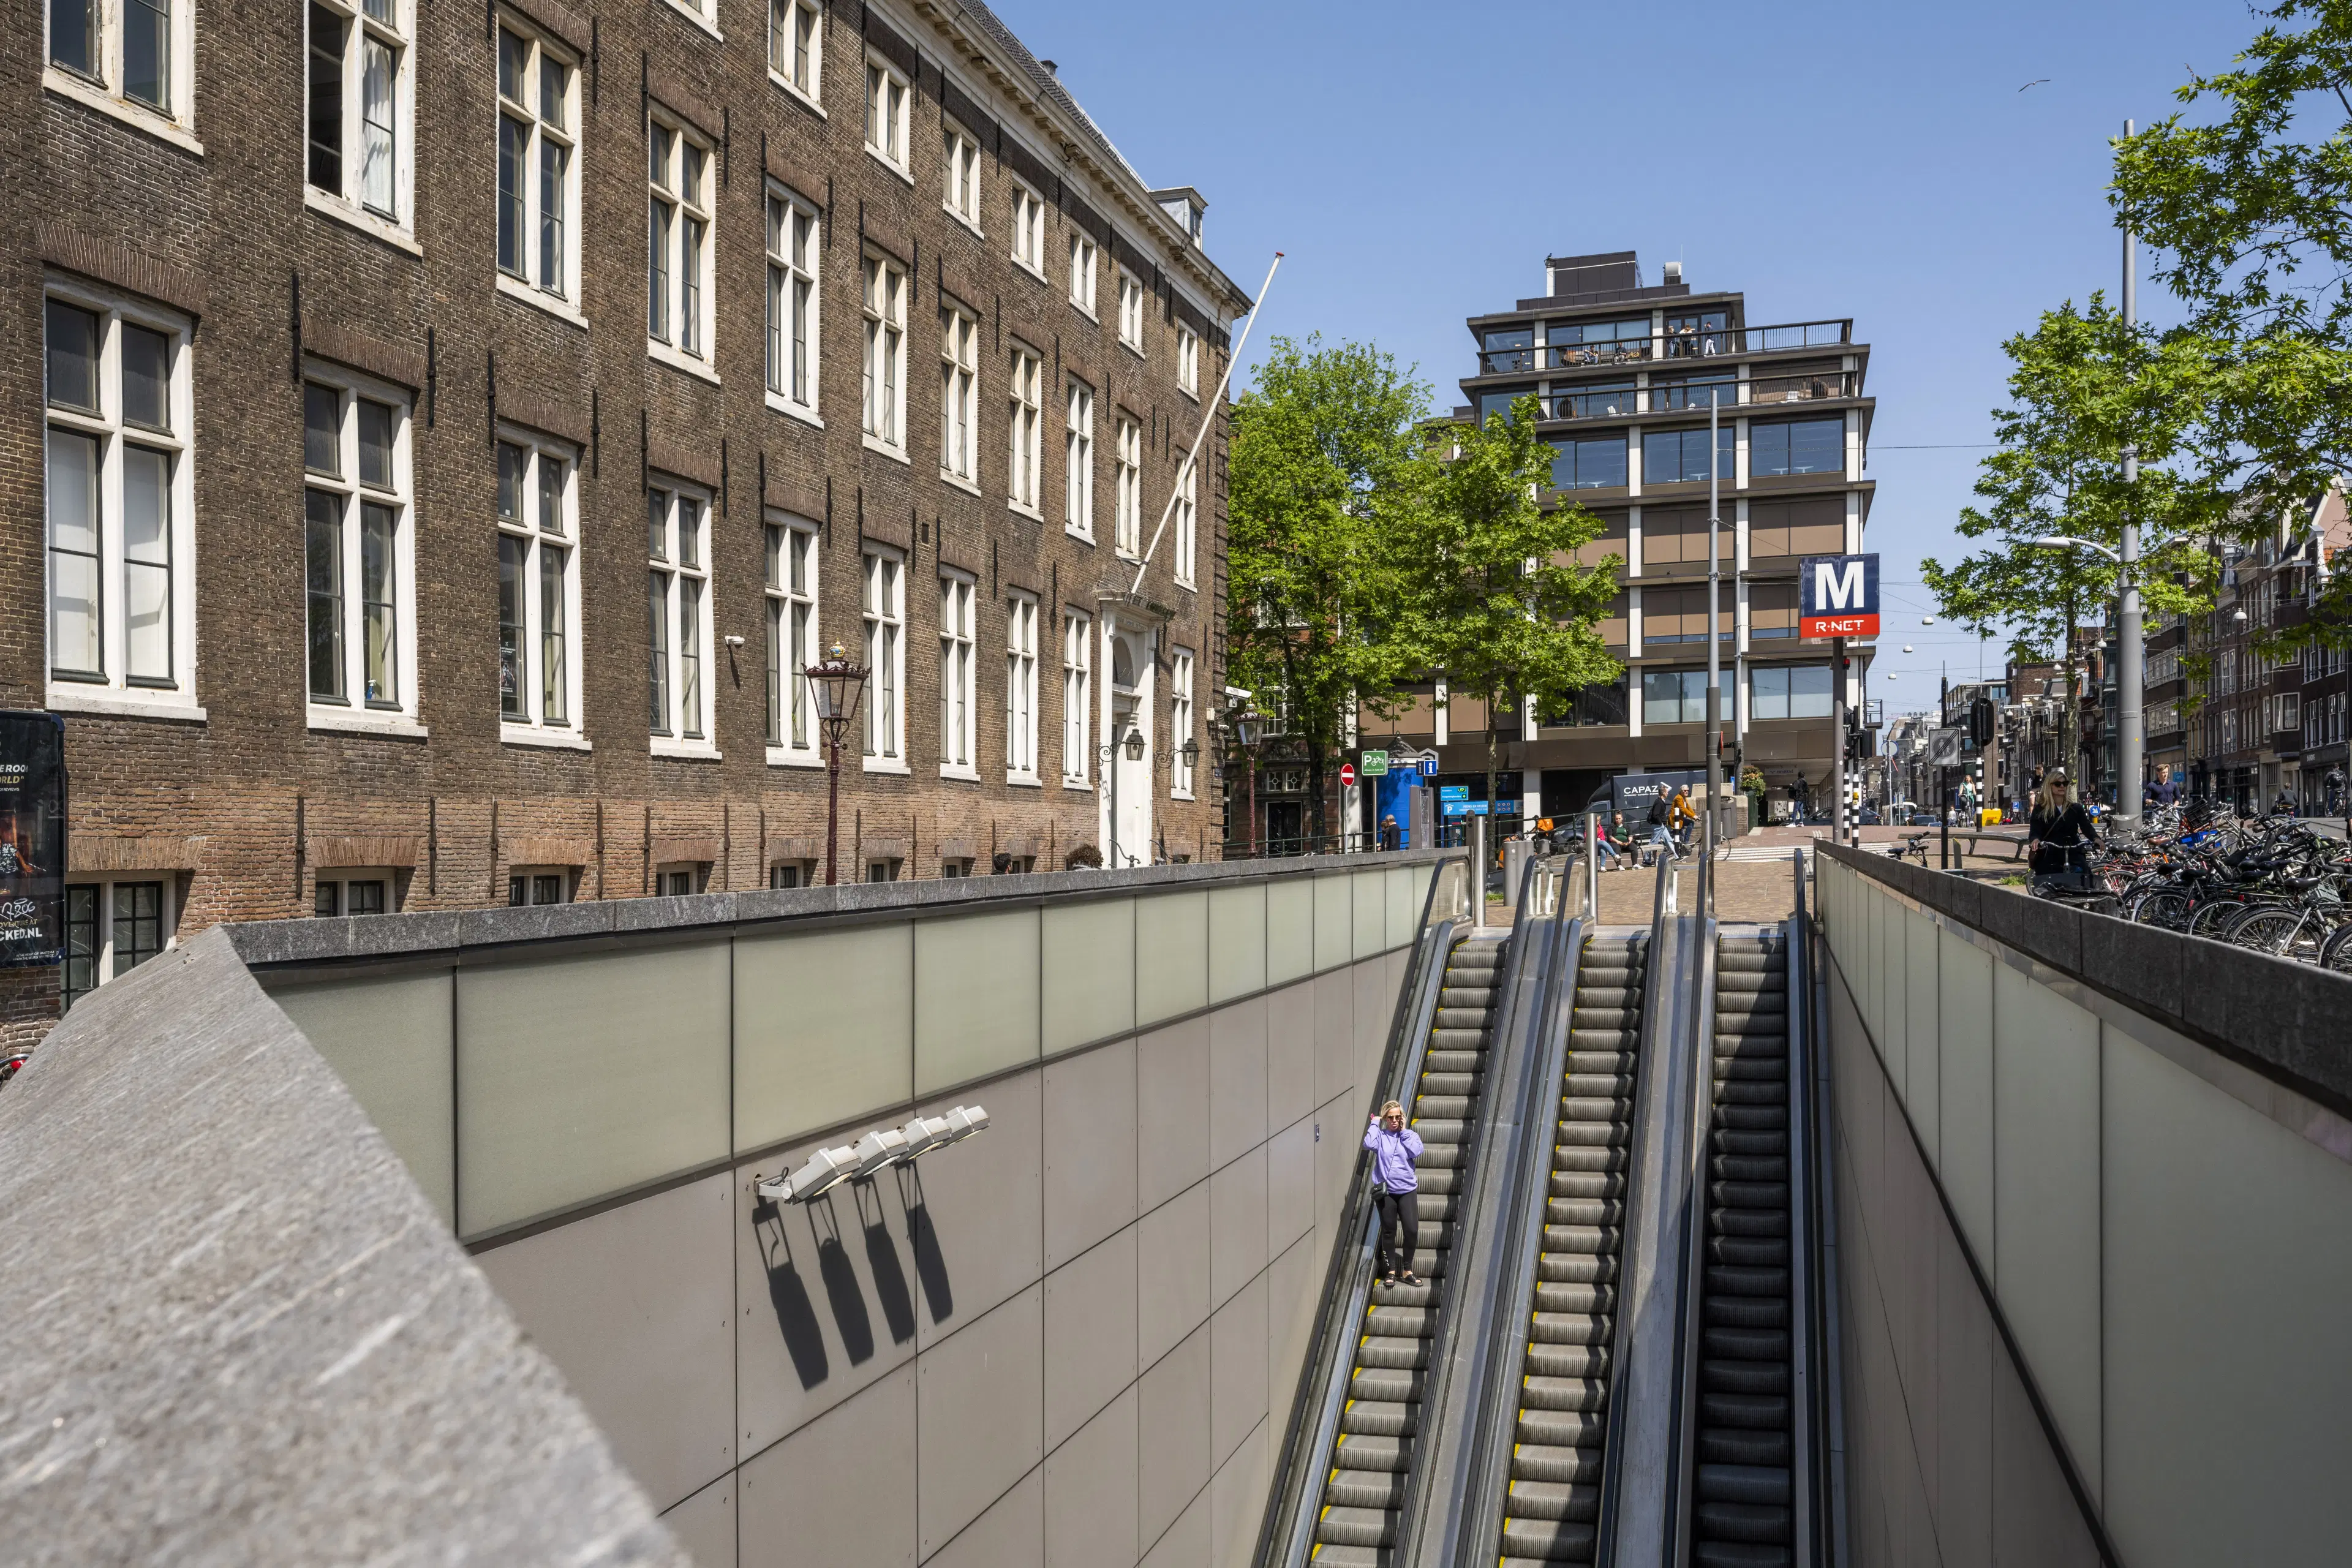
{"x":1837,"y":597}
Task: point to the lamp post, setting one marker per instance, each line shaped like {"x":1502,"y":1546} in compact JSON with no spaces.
{"x":839,"y":686}
{"x":1108,"y":752}
{"x":1244,"y":726}
{"x":2130,"y":740}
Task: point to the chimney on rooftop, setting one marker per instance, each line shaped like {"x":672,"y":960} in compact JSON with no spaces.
{"x":1674,"y":272}
{"x":1051,"y":68}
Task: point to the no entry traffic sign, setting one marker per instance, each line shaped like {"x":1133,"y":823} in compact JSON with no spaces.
{"x":1347,"y":776}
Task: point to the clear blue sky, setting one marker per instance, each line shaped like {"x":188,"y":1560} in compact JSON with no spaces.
{"x":1867,"y":160}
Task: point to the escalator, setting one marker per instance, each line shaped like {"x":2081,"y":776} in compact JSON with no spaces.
{"x":1552,"y":1506}
{"x":1744,"y":1485}
{"x":1363,"y":1492}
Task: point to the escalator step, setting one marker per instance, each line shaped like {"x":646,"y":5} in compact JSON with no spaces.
{"x":1385,"y":1384}
{"x":1408,"y":1356}
{"x":1728,"y":1246}
{"x":1746,"y":1344}
{"x":1576,"y":1269}
{"x":1595,"y":1211}
{"x":1554,"y":1501}
{"x":1768,"y":1378}
{"x":1733,"y":1554}
{"x":1544,"y":1462}
{"x":1726,"y":1141}
{"x":1371,"y":1451}
{"x":1364,"y":1489}
{"x":1554,"y":1393}
{"x":1590,"y":1159}
{"x":1548,"y":1540}
{"x":1747,"y":1168}
{"x":1732,"y":1280}
{"x":1747,"y":1412}
{"x":1390,"y":1318}
{"x":1742,"y":1445}
{"x":1380,"y":1420}
{"x":1567,"y":1361}
{"x":1356,"y":1527}
{"x":1590,"y":1299}
{"x":1560,"y":1428}
{"x":1757,"y":1484}
{"x":1746,"y":1312}
{"x":1568,"y":1329}
{"x":1747,"y":1522}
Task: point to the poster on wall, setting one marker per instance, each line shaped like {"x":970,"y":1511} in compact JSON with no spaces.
{"x":32,"y":840}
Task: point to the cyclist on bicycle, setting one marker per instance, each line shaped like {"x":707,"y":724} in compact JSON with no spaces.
{"x":2059,"y":832}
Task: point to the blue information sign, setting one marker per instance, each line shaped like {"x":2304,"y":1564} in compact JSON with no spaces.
{"x":1429,"y":767}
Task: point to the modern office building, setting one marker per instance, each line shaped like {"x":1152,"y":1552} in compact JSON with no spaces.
{"x":457,"y":430}
{"x":1624,"y":372}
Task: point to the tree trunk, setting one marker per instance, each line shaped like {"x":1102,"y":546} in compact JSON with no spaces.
{"x":1493,"y":699}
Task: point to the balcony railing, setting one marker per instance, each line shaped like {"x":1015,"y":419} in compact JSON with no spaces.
{"x":1759,"y":340}
{"x":1584,"y":356}
{"x":1689,"y":343}
{"x":1802,"y":388}
{"x":1595,"y":403}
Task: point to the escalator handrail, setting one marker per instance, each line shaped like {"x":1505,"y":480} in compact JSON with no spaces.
{"x":1335,"y":1318}
{"x":1689,"y":1352}
{"x":1819,"y":1421}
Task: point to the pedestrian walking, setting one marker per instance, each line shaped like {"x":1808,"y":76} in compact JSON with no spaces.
{"x":1396,"y":1150}
{"x":1661,"y":817}
{"x":1680,"y":817}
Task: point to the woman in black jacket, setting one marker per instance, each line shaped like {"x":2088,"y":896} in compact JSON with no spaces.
{"x":2058,"y":831}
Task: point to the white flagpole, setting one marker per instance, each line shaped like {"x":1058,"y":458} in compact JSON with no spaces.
{"x":1194,"y":456}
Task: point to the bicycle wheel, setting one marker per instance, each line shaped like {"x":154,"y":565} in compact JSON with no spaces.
{"x":2281,"y":932}
{"x":2212,"y":920}
{"x":2337,"y":954}
{"x":2167,"y":909}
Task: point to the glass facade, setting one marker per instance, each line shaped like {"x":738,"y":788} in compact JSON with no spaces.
{"x":1679,"y":457}
{"x":1597,"y":463}
{"x":1796,"y":446}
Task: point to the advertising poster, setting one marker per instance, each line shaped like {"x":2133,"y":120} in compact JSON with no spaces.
{"x":32,"y":840}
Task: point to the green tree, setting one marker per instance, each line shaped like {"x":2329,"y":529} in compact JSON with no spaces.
{"x":1325,"y":448}
{"x":1495,"y":598}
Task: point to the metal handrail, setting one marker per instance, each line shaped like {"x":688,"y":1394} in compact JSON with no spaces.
{"x":1820,"y":1487}
{"x":1691,"y":1306}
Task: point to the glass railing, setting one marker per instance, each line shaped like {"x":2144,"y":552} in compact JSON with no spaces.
{"x":1805,"y":388}
{"x":1507,"y":361}
{"x":1667,"y":397}
{"x":1596,"y":402}
{"x":1578,"y":356}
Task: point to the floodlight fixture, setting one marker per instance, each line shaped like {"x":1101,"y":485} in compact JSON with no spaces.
{"x":826,"y":1169}
{"x":964,"y":1120}
{"x":877,"y":1149}
{"x":922,"y":1135}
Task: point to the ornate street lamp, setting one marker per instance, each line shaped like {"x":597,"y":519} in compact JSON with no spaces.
{"x":1133,"y":746}
{"x":839,"y":686}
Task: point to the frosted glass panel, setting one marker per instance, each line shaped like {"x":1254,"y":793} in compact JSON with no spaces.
{"x":1922,"y":998}
{"x":1334,"y":922}
{"x":975,"y":996}
{"x":1964,"y":1088}
{"x":1089,"y":971}
{"x":1171,"y":949}
{"x":389,"y":1040}
{"x":824,"y":1029}
{"x":1401,"y":907}
{"x":585,"y":1075}
{"x":1289,"y":929}
{"x":1236,"y":941}
{"x":1372,"y":914}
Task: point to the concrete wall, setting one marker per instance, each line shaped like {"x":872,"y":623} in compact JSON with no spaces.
{"x":2165,"y":1232}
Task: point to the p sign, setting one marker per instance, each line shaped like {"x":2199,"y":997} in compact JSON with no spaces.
{"x":1837,"y":597}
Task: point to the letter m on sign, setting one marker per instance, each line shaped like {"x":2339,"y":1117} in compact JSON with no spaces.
{"x":1837,"y":597}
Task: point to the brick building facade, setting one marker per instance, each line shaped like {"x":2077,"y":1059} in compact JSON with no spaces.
{"x":438,"y":433}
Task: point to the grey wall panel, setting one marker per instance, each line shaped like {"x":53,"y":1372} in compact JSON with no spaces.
{"x":840,"y":1489}
{"x":1339,"y":1136}
{"x":1334,"y":919}
{"x":1171,"y":946}
{"x":1403,"y":905}
{"x":1089,"y":1146}
{"x":1290,"y":1183}
{"x":824,"y":1028}
{"x":1089,"y":965}
{"x":1368,"y":898}
{"x":583,"y":1075}
{"x":1171,"y":1110}
{"x":1171,"y":1273}
{"x":1237,"y":1068}
{"x":1091,"y":1490}
{"x":637,"y":1304}
{"x":1922,"y":1029}
{"x":1289,"y":929}
{"x":1337,"y":1052}
{"x":705,"y":1524}
{"x":390,"y":1040}
{"x":1289,"y":1053}
{"x":1372,"y":1003}
{"x":1236,"y":941}
{"x":1237,"y":1495}
{"x":979,"y":1426}
{"x":973,"y":1210}
{"x":1090,"y":1316}
{"x":1238,"y":1221}
{"x":1964,"y":1346}
{"x":1293,"y":1283}
{"x":1964,"y":1152}
{"x":1185,"y":1543}
{"x":1011,"y":1534}
{"x":2035,"y":1520}
{"x":1174,"y":1433}
{"x":958,"y":1036}
{"x":1237,"y":1387}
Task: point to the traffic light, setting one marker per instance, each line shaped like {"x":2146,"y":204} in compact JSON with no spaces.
{"x":1980,"y":722}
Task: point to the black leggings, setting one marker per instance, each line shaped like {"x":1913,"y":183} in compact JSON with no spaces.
{"x":1399,"y":1211}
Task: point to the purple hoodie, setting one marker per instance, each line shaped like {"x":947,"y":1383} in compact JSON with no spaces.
{"x":1393,"y":1155}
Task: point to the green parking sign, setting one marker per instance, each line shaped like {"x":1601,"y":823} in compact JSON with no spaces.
{"x":1372,"y":765}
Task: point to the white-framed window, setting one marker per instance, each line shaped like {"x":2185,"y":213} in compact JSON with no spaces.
{"x":1021,"y":687}
{"x":527,"y":885}
{"x":539,"y":586}
{"x":678,"y":619}
{"x":677,"y":240}
{"x":362,"y":102}
{"x":1028,"y":426}
{"x":1180,"y":723}
{"x":882,"y":604}
{"x":120,"y":499}
{"x":343,"y":891}
{"x":784,"y":875}
{"x":959,"y":724}
{"x":1129,"y":532}
{"x":113,"y":927}
{"x":885,"y":353}
{"x":1077,"y":698}
{"x":1188,"y":360}
{"x":959,"y":396}
{"x":792,"y":300}
{"x":960,"y":174}
{"x":1187,"y":523}
{"x":359,"y":550}
{"x":1028,"y":228}
{"x":796,"y":46}
{"x":539,"y":163}
{"x":682,"y":880}
{"x":1130,"y":309}
{"x":1078,"y":461}
{"x":792,"y":641}
{"x":139,"y":55}
{"x":885,"y":113}
{"x":1082,"y":272}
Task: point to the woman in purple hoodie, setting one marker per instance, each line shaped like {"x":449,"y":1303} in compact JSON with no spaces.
{"x":1396,"y":1149}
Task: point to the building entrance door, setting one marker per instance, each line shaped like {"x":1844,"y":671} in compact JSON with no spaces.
{"x":1284,"y":831}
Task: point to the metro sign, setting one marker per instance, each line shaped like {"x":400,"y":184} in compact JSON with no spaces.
{"x":1837,"y":597}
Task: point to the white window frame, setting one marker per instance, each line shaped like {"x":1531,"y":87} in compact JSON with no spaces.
{"x":1084,"y":260}
{"x":341,"y":877}
{"x":889,"y":105}
{"x":167,"y":921}
{"x":567,"y":885}
{"x":1127,"y":496}
{"x":798,"y":27}
{"x":1188,"y":361}
{"x":795,"y":233}
{"x":882,"y":610}
{"x":703,"y":13}
{"x":1029,"y":229}
{"x":681,"y":166}
{"x":1078,"y":460}
{"x":107,"y":87}
{"x":959,"y":397}
{"x":1187,"y":520}
{"x":1077,"y":700}
{"x":1180,"y":723}
{"x":683,"y":708}
{"x":1026,"y":460}
{"x":530,"y":531}
{"x":535,"y":281}
{"x":959,"y":174}
{"x":112,"y":689}
{"x":959,"y":678}
{"x":790,"y":626}
{"x":1021,"y":687}
{"x":349,"y":198}
{"x":356,"y":711}
{"x":883,"y":296}
{"x":1130,"y":312}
